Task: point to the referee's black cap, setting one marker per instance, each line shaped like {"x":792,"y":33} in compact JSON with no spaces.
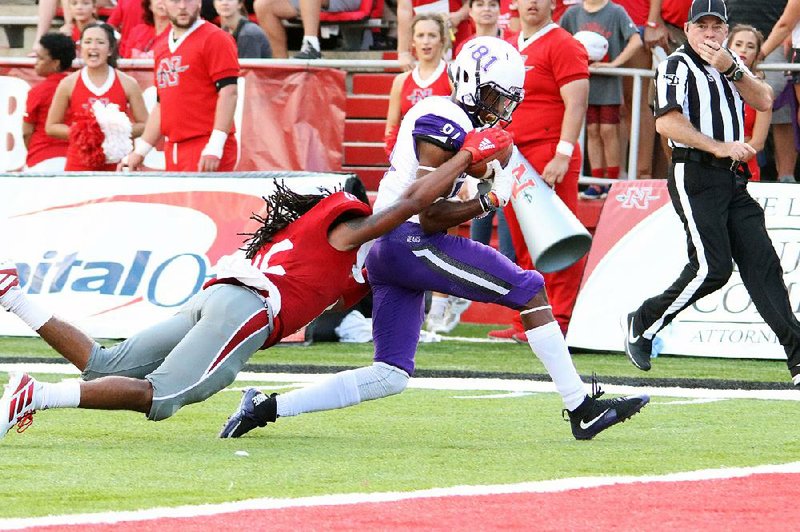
{"x":701,"y":8}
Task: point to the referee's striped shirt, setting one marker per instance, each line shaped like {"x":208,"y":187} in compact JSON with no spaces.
{"x":711,"y":103}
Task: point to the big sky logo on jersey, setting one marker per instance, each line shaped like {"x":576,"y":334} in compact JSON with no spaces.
{"x":169,"y":71}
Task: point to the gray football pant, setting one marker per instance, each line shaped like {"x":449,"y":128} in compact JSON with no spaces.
{"x":195,"y":353}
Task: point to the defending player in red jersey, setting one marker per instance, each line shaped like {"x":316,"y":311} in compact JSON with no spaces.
{"x":297,"y":264}
{"x":196,"y":70}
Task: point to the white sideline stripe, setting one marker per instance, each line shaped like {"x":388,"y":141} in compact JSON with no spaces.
{"x":459,"y":384}
{"x":545,"y":486}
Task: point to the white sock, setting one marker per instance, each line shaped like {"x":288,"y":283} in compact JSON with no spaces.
{"x":438,"y":306}
{"x":313,"y":40}
{"x":346,"y":388}
{"x":65,"y":394}
{"x":338,"y":391}
{"x":548,"y":343}
{"x":31,"y":313}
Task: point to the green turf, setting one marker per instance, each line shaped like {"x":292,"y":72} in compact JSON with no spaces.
{"x":73,"y":461}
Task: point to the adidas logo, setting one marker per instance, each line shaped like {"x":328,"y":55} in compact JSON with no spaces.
{"x":486,"y":144}
{"x":258,"y":399}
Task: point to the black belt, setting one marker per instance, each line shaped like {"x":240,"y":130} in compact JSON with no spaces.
{"x":683,"y":155}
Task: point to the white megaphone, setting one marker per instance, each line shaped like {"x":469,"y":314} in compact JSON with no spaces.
{"x":556,"y":239}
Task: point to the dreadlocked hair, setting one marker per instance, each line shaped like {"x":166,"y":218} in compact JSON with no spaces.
{"x":284,"y":206}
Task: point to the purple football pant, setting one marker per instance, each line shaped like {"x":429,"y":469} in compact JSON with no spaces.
{"x":406,"y":262}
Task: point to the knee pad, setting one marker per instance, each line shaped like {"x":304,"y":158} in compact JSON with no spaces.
{"x":380,"y":380}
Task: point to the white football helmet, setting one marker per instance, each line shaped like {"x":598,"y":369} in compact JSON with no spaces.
{"x":488,"y":76}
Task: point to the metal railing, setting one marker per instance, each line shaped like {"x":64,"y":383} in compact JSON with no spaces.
{"x":381,"y":65}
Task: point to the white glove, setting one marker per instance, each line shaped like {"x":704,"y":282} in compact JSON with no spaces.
{"x":503,"y":182}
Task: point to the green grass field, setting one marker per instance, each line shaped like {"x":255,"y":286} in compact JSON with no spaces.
{"x":74,"y":461}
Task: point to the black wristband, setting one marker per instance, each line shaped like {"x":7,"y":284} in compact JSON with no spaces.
{"x":730,"y":70}
{"x":486,"y":203}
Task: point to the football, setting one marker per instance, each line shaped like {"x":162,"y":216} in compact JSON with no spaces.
{"x":479,"y":170}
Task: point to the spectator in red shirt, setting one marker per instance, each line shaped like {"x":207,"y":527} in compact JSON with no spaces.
{"x":127,"y":15}
{"x":83,"y":14}
{"x":142,"y":38}
{"x":54,"y":57}
{"x":456,"y":11}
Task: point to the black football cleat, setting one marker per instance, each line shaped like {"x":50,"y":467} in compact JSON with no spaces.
{"x":255,"y":410}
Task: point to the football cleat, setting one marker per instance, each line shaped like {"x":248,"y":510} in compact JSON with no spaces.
{"x":638,"y":348}
{"x":9,"y":278}
{"x":16,"y":405}
{"x":596,"y":415}
{"x":256,"y":409}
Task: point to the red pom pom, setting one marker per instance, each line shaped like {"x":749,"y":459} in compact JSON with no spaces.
{"x":86,"y":140}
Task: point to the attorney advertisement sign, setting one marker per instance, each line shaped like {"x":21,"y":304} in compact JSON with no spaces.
{"x":117,"y":253}
{"x":639,"y":249}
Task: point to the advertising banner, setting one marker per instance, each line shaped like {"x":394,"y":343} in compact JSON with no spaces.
{"x":117,"y":253}
{"x":639,"y":249}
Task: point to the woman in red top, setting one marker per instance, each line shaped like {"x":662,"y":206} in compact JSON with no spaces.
{"x":746,"y":41}
{"x":428,"y":78}
{"x":142,"y":37}
{"x":54,"y":57}
{"x":97,"y":81}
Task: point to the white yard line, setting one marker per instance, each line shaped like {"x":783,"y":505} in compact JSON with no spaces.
{"x":546,"y":486}
{"x":461,"y":384}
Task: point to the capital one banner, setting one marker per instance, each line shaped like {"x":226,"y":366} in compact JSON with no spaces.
{"x":639,"y":249}
{"x":116,"y":253}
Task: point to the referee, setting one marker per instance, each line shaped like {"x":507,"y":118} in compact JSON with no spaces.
{"x":700,"y":90}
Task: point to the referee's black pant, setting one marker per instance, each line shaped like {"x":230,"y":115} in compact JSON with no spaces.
{"x":723,"y":223}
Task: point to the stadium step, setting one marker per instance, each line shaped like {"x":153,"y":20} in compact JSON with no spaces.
{"x":364,"y":154}
{"x":364,"y":130}
{"x":372,"y":83}
{"x":371,"y":106}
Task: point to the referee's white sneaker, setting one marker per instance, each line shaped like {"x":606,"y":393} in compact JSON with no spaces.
{"x":16,"y":405}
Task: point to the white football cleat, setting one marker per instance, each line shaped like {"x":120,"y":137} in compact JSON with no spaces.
{"x":16,"y":405}
{"x":9,"y":278}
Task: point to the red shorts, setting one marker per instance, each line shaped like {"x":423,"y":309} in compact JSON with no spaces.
{"x":185,"y":156}
{"x":602,"y":114}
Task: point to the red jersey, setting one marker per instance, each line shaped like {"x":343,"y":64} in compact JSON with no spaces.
{"x":140,"y":42}
{"x":126,"y":16}
{"x":416,"y":89}
{"x":638,"y":10}
{"x":749,"y":124}
{"x":675,"y":12}
{"x":186,"y":71}
{"x":307,"y":273}
{"x":42,"y":146}
{"x":84,"y":94}
{"x":552,"y":59}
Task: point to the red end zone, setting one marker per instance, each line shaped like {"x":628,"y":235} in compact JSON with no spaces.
{"x":759,"y":501}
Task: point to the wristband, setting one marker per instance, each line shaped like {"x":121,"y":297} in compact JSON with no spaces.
{"x":565,"y":148}
{"x":141,"y":147}
{"x":651,"y":24}
{"x":216,"y":143}
{"x":489,"y":201}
